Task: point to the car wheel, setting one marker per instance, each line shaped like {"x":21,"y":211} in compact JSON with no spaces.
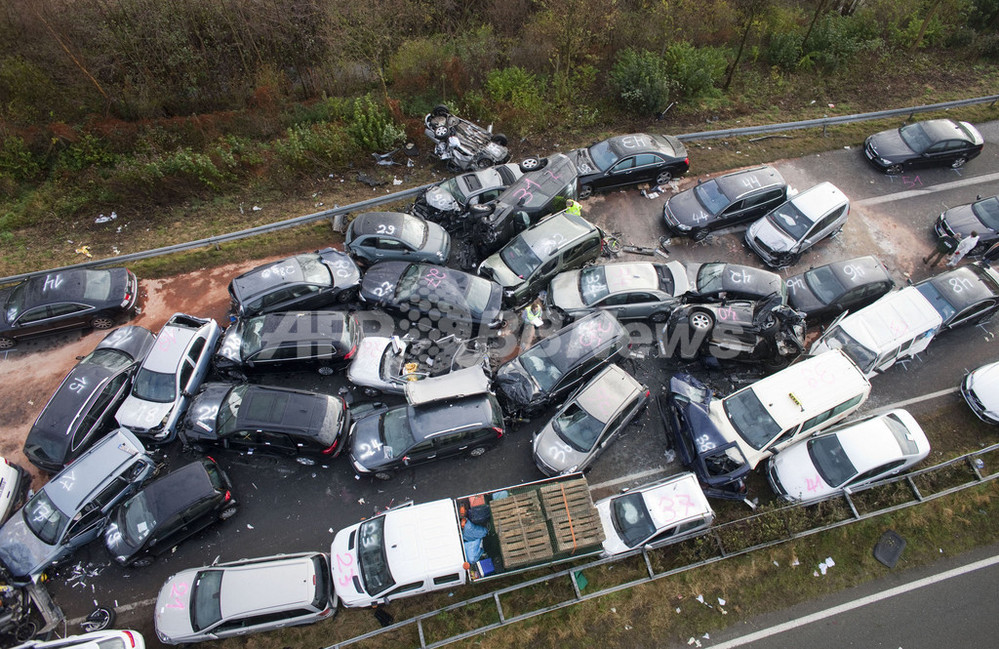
{"x":531,"y":164}
{"x":102,"y":322}
{"x":893,"y":170}
{"x":701,"y":320}
{"x":347,"y":296}
{"x":478,"y":451}
{"x":100,"y":619}
{"x":585,"y":192}
{"x":483,"y":162}
{"x":664,"y":177}
{"x":957,"y":164}
{"x":6,"y":343}
{"x":440,"y":110}
{"x":325,"y":370}
{"x":144,"y":562}
{"x":440,"y":132}
{"x":775,"y":363}
{"x":500,"y":139}
{"x":228,"y":512}
{"x":699,"y":234}
{"x":384,"y":475}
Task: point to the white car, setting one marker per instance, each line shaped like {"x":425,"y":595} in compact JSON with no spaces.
{"x":388,"y":364}
{"x":848,"y":457}
{"x":12,"y":486}
{"x":171,"y":373}
{"x":981,"y":390}
{"x":656,"y":514}
{"x":111,"y":639}
{"x":790,"y":229}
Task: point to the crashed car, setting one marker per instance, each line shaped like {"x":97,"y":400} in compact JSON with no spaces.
{"x":448,"y":202}
{"x":632,"y":159}
{"x":756,"y":331}
{"x":387,"y":364}
{"x":464,"y":145}
{"x":545,"y":188}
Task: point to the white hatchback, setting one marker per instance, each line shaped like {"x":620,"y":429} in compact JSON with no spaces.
{"x":793,"y":227}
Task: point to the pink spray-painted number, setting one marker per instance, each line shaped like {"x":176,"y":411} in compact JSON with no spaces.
{"x":433,"y":277}
{"x":345,"y":569}
{"x":177,"y":593}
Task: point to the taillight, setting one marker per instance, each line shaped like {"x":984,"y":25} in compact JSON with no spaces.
{"x":331,"y":449}
{"x":499,"y":431}
{"x":131,"y":638}
{"x":648,"y":393}
{"x":348,"y":355}
{"x":228,"y":496}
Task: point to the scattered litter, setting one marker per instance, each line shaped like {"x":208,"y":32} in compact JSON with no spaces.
{"x":613,"y":609}
{"x":776,"y":564}
{"x":678,"y":609}
{"x":627,"y":627}
{"x":692,"y":640}
{"x":249,"y":527}
{"x":84,"y":250}
{"x":116,"y":603}
{"x":396,"y":181}
{"x":700,"y":598}
{"x":360,"y":501}
{"x":670,"y":455}
{"x":319,"y":204}
{"x":257,"y":208}
{"x":979,"y":463}
{"x":795,"y":562}
{"x":831,"y":105}
{"x":811,"y":102}
{"x":357,"y":477}
{"x":847,"y":147}
{"x":331,"y":530}
{"x":830,"y":562}
{"x":253,"y":485}
{"x":706,"y":636}
{"x":30,"y":402}
{"x":106,"y":219}
{"x":721,"y":602}
{"x":115,"y":250}
{"x":723,"y":611}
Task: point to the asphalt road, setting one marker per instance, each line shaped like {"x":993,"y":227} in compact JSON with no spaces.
{"x":287,"y":507}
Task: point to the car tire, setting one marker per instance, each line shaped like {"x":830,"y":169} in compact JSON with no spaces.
{"x":528,"y":165}
{"x":701,"y":320}
{"x":659,"y":316}
{"x":102,"y":618}
{"x":144,"y":562}
{"x":383,"y":475}
{"x":893,"y":170}
{"x":478,"y":451}
{"x":699,"y":234}
{"x":102,"y":322}
{"x":585,"y":192}
{"x":499,"y":139}
{"x":957,"y":164}
{"x":440,"y":110}
{"x":482,"y":162}
{"x":325,"y":370}
{"x":228,"y":512}
{"x":7,"y":343}
{"x":440,"y":132}
{"x":664,"y":177}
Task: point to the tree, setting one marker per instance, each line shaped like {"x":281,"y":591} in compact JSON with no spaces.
{"x":748,"y":11}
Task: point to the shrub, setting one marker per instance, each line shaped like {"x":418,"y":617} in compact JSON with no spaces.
{"x":306,"y":147}
{"x":372,"y":128}
{"x":695,"y":70}
{"x":641,"y":80}
{"x":987,"y":46}
{"x":87,"y":151}
{"x":784,"y":50}
{"x":836,"y":40}
{"x":330,"y":109}
{"x":17,"y":161}
{"x":518,"y":88}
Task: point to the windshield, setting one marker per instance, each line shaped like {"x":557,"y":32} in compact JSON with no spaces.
{"x":15,"y":303}
{"x":602,"y":155}
{"x":407,"y":282}
{"x":915,"y":137}
{"x":97,"y":285}
{"x":251,"y":342}
{"x":111,"y":359}
{"x":789,"y":219}
{"x":593,"y":284}
{"x":987,"y":212}
{"x":414,"y":231}
{"x":836,"y":338}
{"x":710,"y":197}
{"x":750,"y":418}
{"x":936,"y":298}
{"x":540,"y":367}
{"x":830,"y":460}
{"x":225,"y":422}
{"x":519,"y":258}
{"x":477,"y":295}
{"x":136,"y":519}
{"x":314,"y":271}
{"x":154,"y":386}
{"x":577,"y":428}
{"x":709,"y":278}
{"x":371,"y":556}
{"x":205,"y":596}
{"x":44,"y":518}
{"x":824,"y":284}
{"x":453,"y":187}
{"x":396,"y":434}
{"x":631,"y":519}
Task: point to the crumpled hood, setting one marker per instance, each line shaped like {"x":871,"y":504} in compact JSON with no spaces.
{"x":687,"y":210}
{"x":494,"y":269}
{"x":564,"y":291}
{"x":199,"y":422}
{"x":441,"y":199}
{"x":514,"y":387}
{"x":24,"y":554}
{"x":769,"y":235}
{"x":141,"y":415}
{"x":584,"y":163}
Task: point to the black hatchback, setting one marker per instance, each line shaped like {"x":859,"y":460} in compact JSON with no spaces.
{"x":169,"y":510}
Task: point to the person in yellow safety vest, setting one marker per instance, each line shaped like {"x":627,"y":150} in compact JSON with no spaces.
{"x":532,"y":313}
{"x":572,"y":207}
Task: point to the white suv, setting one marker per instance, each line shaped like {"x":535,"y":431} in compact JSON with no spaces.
{"x":793,"y":227}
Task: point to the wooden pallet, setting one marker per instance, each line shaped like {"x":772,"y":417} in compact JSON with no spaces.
{"x":521,"y":528}
{"x":574,"y":520}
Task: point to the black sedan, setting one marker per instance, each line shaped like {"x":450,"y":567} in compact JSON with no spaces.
{"x":68,"y":299}
{"x":982,"y":217}
{"x":83,"y":406}
{"x":260,"y":418}
{"x":431,"y":294}
{"x":308,"y":281}
{"x":932,"y":143}
{"x":715,"y":281}
{"x":169,"y":510}
{"x":845,"y":285}
{"x":629,"y":160}
{"x":965,"y":295}
{"x":724,"y":201}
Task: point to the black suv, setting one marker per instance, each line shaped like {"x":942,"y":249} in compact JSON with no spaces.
{"x":169,"y":510}
{"x":326,"y":339}
{"x":547,"y":371}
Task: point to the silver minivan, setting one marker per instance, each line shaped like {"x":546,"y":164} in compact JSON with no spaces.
{"x":793,"y":227}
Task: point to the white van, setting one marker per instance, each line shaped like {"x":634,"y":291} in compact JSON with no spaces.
{"x":899,"y":325}
{"x":748,"y":426}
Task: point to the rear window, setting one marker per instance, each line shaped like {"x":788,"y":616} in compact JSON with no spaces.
{"x":97,"y":285}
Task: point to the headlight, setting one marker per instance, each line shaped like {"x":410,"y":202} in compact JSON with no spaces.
{"x":681,"y":226}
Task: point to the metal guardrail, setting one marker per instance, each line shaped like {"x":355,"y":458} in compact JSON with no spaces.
{"x":717,"y":534}
{"x":413,"y":192}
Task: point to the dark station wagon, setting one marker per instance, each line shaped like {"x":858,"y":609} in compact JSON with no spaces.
{"x":828,"y":290}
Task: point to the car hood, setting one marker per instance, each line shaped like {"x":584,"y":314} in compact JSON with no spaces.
{"x":564,"y":291}
{"x":796,"y":474}
{"x":801,"y":297}
{"x":584,"y":163}
{"x":343,"y":567}
{"x":962,"y":220}
{"x":114,"y":540}
{"x":365,"y":369}
{"x":172,"y":615}
{"x":139,"y":414}
{"x":889,"y":145}
{"x":514,"y":386}
{"x":612,"y":540}
{"x":552,"y":452}
{"x":985,"y":384}
{"x":495,"y":269}
{"x":367,"y":449}
{"x":23,"y":553}
{"x":687,"y":210}
{"x":383,"y":278}
{"x":770,"y":236}
{"x":441,"y":199}
{"x":199,"y":422}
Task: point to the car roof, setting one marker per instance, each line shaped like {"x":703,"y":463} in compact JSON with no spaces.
{"x":605,"y":393}
{"x":66,"y":286}
{"x":277,"y":584}
{"x":739,"y":183}
{"x":265,"y":277}
{"x":664,"y":499}
{"x":945,"y":129}
{"x":963,"y":286}
{"x":459,"y":383}
{"x":540,"y":185}
{"x":421,"y":541}
{"x":816,"y":201}
{"x":287,"y":327}
{"x":556,"y":232}
{"x":638,"y":276}
{"x":377,"y":222}
{"x":871,"y":442}
{"x":267,"y":408}
{"x":855,"y":272}
{"x":72,"y":486}
{"x":891,"y":318}
{"x":59,"y":415}
{"x":176,"y":491}
{"x":430,"y":420}
{"x":168,"y":351}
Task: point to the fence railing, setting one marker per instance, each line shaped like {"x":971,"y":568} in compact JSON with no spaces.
{"x":823,"y":123}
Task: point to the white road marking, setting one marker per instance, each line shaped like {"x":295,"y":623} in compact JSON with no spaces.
{"x":898,"y":196}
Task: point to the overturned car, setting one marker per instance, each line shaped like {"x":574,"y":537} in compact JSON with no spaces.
{"x":464,"y":145}
{"x":448,"y":202}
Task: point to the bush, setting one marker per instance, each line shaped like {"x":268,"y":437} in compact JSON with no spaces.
{"x":784,"y":50}
{"x":987,"y":46}
{"x":641,"y":80}
{"x":372,"y":128}
{"x":518,"y":88}
{"x":88,"y":151}
{"x":306,"y":147}
{"x":695,"y":70}
{"x":838,"y":39}
{"x":17,"y":161}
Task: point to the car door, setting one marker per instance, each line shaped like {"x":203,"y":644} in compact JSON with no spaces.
{"x":453,"y":443}
{"x":941,"y":154}
{"x":820,"y":229}
{"x":620,"y":173}
{"x":972,"y":314}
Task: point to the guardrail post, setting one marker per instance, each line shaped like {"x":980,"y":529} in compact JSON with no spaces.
{"x":915,"y":489}
{"x":499,"y":607}
{"x":419,"y":627}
